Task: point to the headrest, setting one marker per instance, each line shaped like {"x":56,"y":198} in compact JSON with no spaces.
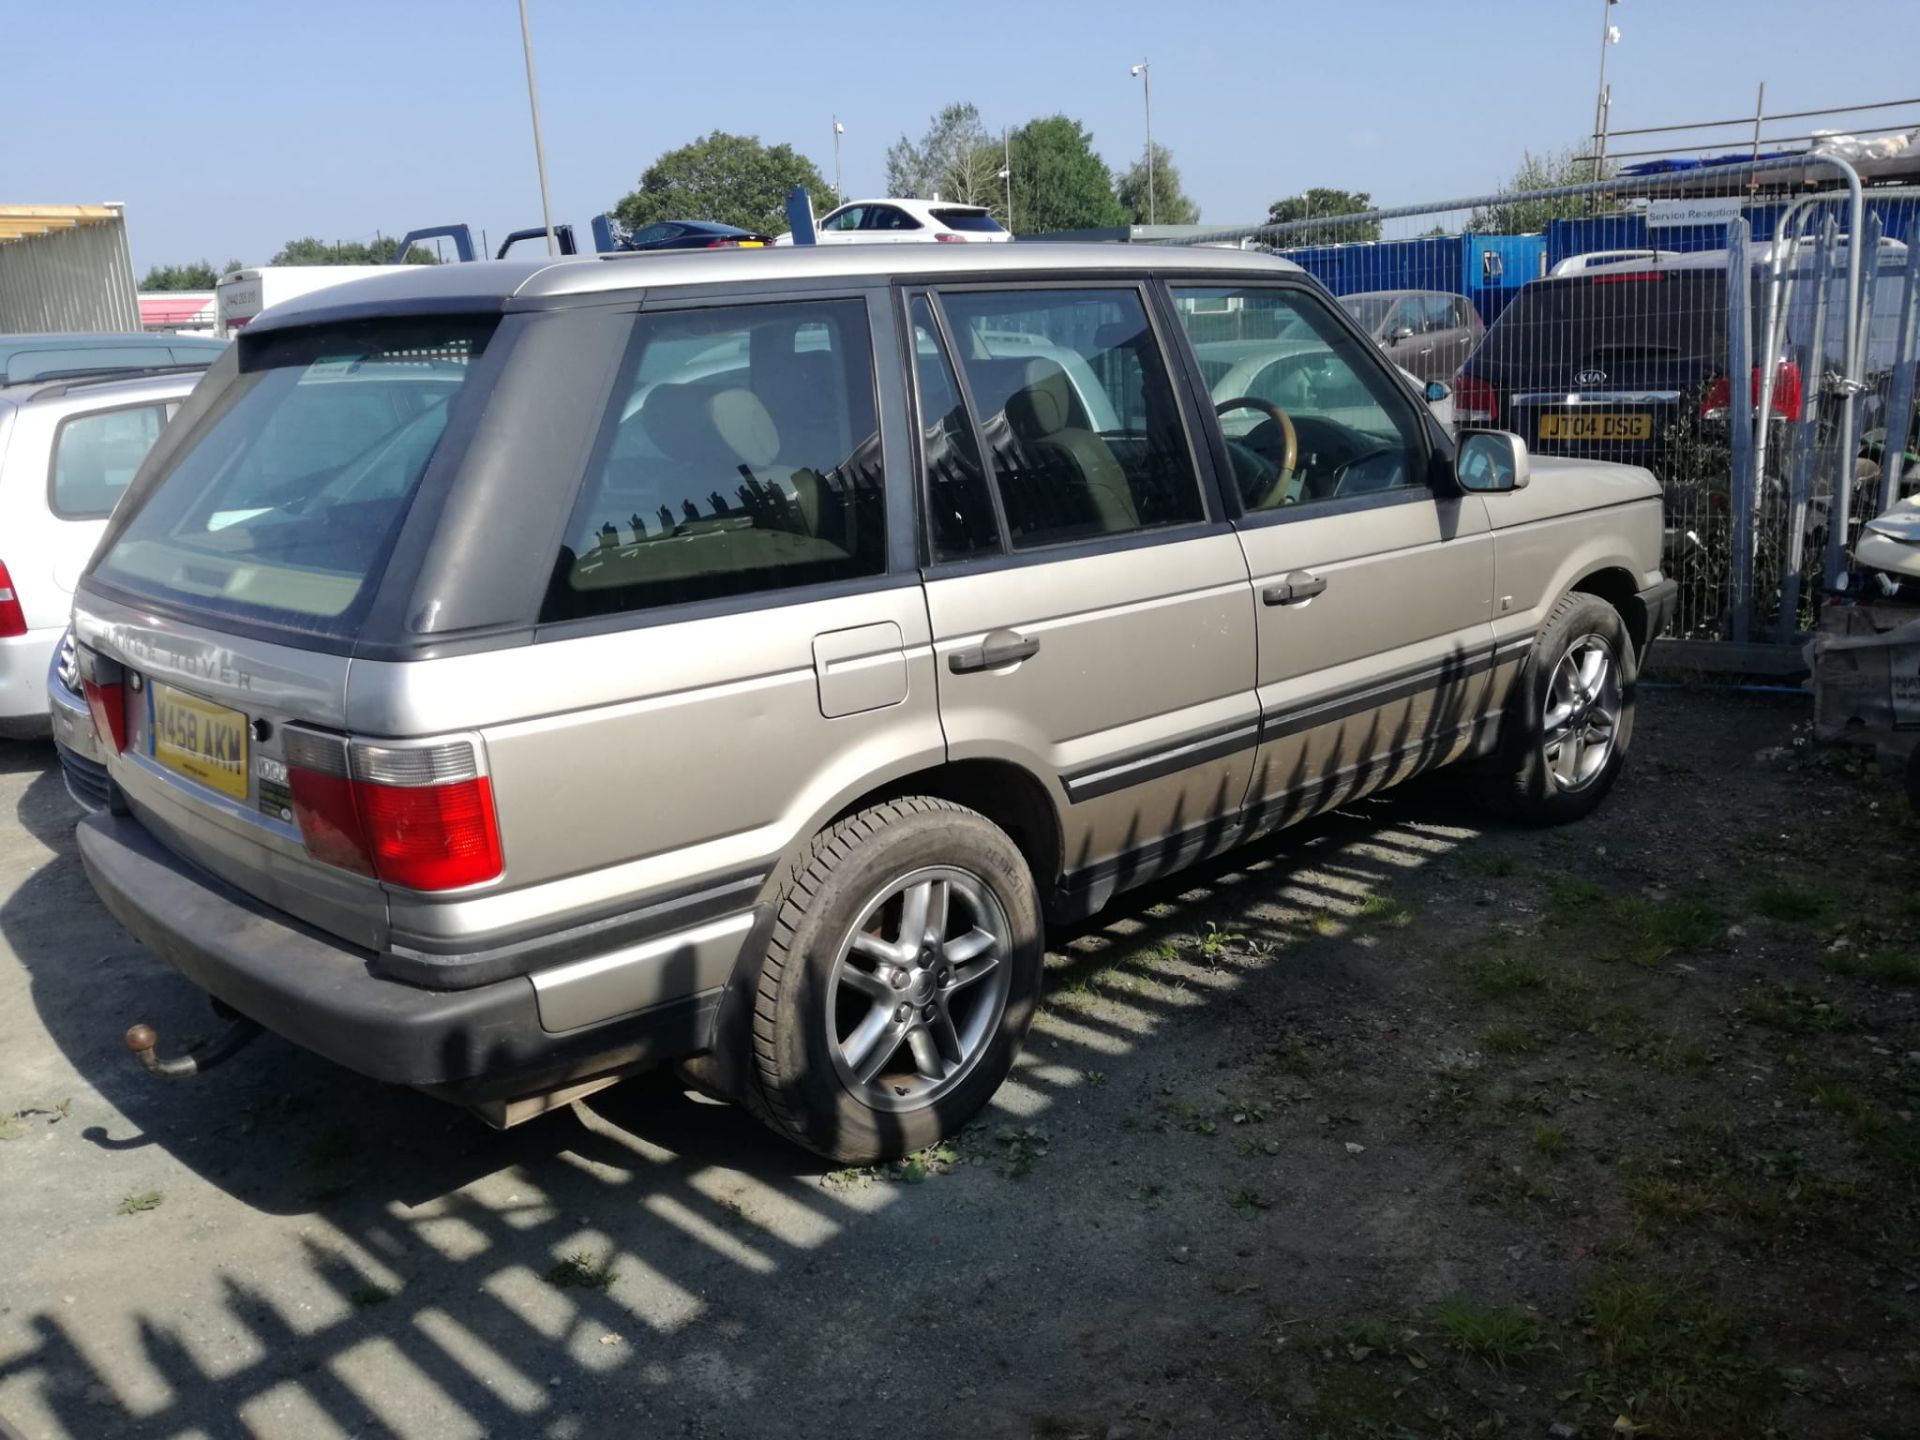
{"x":692,"y":422}
{"x":743,"y":422}
{"x":677,"y":420}
{"x":1045,"y":405}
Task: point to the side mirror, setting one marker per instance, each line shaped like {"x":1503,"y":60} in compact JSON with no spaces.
{"x":1437,"y":391}
{"x":1491,"y":462}
{"x":1403,"y":332}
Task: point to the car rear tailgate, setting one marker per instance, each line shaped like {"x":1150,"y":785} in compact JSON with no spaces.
{"x":242,"y":827}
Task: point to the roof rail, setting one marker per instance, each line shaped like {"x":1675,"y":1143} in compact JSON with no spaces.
{"x":59,"y":382}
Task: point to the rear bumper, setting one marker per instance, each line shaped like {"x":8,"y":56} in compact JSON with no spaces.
{"x":482,"y":1043}
{"x":23,"y":682}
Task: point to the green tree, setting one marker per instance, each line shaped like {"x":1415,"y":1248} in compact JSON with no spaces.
{"x":1170,"y":205}
{"x":731,"y":179}
{"x":1058,"y":182}
{"x":956,"y":159}
{"x":1540,"y":172}
{"x":197,"y":276}
{"x":308,"y":250}
{"x":1320,"y":202}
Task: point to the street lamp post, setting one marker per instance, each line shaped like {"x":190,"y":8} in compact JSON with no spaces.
{"x":539,"y":149}
{"x":1006,"y":171}
{"x":1603,"y":99}
{"x":1146,"y":83}
{"x":838,"y":131}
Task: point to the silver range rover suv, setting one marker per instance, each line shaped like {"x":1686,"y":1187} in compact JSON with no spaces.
{"x":511,"y":675}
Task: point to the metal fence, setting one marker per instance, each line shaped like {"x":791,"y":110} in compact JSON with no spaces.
{"x":1716,"y":324}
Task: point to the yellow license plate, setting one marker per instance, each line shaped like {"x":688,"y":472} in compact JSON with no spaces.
{"x":1596,"y":427}
{"x":200,"y":740}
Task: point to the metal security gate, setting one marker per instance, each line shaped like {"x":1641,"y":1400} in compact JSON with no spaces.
{"x":1714,"y":323}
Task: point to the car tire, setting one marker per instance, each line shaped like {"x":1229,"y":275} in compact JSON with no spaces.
{"x":1561,"y":746}
{"x":872,"y":1036}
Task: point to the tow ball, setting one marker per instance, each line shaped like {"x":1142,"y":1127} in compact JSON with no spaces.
{"x":142,"y":1040}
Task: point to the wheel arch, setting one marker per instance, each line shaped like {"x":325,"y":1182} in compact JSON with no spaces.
{"x":1617,"y":586}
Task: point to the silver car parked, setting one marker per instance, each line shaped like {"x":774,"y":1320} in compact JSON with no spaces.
{"x":513,"y":674}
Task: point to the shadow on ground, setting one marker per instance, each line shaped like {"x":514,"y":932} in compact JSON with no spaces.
{"x":652,"y":1260}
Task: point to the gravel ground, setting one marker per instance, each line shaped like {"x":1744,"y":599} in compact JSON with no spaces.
{"x":1401,"y":1124}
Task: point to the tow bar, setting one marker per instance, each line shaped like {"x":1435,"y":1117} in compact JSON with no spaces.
{"x":141,"y":1040}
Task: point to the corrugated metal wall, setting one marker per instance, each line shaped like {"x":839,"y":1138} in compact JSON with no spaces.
{"x":77,"y":279}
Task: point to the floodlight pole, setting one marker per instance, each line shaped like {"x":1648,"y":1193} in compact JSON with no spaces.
{"x":539,"y":149}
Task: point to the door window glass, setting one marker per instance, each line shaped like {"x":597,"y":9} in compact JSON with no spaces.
{"x":94,"y":456}
{"x":847,"y":219}
{"x":1316,"y":394}
{"x":741,"y":454}
{"x":1077,"y":411}
{"x":1406,"y":316}
{"x":1439,"y":311}
{"x":959,"y":508}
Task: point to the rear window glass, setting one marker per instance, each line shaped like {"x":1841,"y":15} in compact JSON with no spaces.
{"x":977,"y":221}
{"x":284,"y":506}
{"x":1579,"y":321}
{"x":741,"y":455}
{"x":94,"y":456}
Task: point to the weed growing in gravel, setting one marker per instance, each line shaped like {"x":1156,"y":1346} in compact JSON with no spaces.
{"x":1498,"y":1334}
{"x":1217,"y":944}
{"x":1248,"y":1203}
{"x":365,"y":1297}
{"x":1795,"y":1011}
{"x":1502,"y":972}
{"x":1550,"y":1140}
{"x":1494,"y":867}
{"x":1658,"y":1200}
{"x":1791,"y":904}
{"x":1642,"y":932}
{"x":1889,"y":967}
{"x":1511,"y":1040}
{"x":1024,"y":1145}
{"x":1671,"y":1361}
{"x":581,"y":1271}
{"x":1385,"y":910}
{"x":144,"y":1200}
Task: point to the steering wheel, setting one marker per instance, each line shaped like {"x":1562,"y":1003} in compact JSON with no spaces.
{"x":1290,"y":454}
{"x":1283,"y":479}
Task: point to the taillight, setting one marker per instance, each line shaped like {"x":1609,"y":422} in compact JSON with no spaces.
{"x":13,"y":619}
{"x":417,"y":816}
{"x":103,"y":683}
{"x":1475,"y":402}
{"x":1788,"y":394}
{"x":946,"y":237}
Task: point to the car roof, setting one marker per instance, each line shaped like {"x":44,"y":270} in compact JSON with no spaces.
{"x":537,"y":283}
{"x":97,"y":340}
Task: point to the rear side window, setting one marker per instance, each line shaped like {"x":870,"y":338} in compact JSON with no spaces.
{"x":94,"y":456}
{"x":741,"y":454}
{"x":977,"y":222}
{"x":1076,"y":406}
{"x":889,"y":217}
{"x":282,"y":509}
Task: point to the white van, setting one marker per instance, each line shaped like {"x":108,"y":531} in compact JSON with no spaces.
{"x":243,"y":294}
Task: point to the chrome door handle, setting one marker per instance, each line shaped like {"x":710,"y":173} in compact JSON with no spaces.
{"x":1000,"y":648}
{"x":1299,"y":585}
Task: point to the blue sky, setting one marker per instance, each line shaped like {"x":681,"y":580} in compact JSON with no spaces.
{"x":228,"y":128}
